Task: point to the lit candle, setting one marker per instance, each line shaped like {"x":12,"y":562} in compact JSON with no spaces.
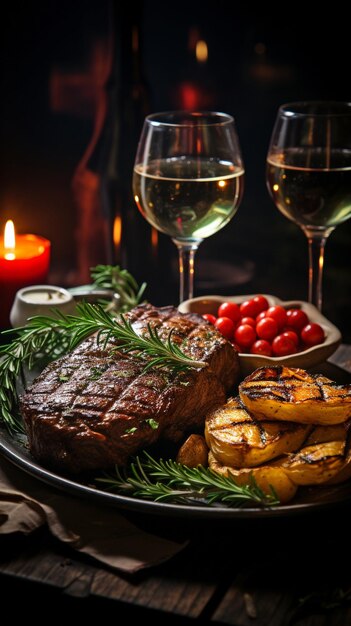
{"x":24,"y":260}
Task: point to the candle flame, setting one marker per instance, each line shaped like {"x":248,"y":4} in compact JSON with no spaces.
{"x":9,"y":240}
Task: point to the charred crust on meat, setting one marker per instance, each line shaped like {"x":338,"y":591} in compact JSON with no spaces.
{"x":101,"y":415}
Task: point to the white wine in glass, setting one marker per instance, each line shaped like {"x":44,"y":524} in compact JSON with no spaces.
{"x":309,"y":175}
{"x":188,"y":180}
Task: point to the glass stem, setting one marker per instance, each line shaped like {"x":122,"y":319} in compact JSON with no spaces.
{"x":186,"y":268}
{"x":316,"y":244}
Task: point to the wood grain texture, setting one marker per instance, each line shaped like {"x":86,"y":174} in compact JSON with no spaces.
{"x":50,"y":564}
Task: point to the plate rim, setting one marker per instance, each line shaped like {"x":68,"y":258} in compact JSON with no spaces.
{"x":18,"y":455}
{"x":13,"y":451}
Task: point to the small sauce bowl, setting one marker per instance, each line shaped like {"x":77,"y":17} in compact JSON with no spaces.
{"x":40,"y":300}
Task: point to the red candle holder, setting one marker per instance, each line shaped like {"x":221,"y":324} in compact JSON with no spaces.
{"x":27,"y":264}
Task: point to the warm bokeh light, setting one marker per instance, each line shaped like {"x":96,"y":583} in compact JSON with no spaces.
{"x":154,"y":237}
{"x":260,"y":48}
{"x":201,"y":51}
{"x":117,"y":231}
{"x":135,"y":40}
{"x":276,"y":187}
{"x":9,"y":240}
{"x":193,"y":37}
{"x":189,"y":96}
{"x":222,"y":183}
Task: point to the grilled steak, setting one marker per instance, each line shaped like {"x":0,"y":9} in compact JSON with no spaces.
{"x":95,"y":407}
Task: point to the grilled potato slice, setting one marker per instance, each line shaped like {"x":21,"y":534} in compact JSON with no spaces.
{"x":238,"y":440}
{"x":322,"y":464}
{"x":344,"y":474}
{"x":268,"y":477}
{"x":316,"y":464}
{"x":283,"y":393}
{"x":322,"y":434}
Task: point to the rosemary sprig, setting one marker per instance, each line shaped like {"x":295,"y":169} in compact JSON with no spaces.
{"x":168,"y":480}
{"x":47,"y":336}
{"x":33,"y":343}
{"x":119,"y":281}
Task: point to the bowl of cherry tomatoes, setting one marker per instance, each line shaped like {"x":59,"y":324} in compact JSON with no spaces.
{"x":268,"y":331}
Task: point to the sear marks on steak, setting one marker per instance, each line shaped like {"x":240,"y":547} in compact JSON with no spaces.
{"x":95,"y":407}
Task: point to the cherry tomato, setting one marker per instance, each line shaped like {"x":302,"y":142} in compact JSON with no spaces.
{"x":261,"y":346}
{"x":282,"y":346}
{"x":278,"y":313}
{"x":248,"y":320}
{"x":296,"y":318}
{"x":231,"y":310}
{"x":209,"y":317}
{"x":225,"y":327}
{"x":267,"y":328}
{"x":290,"y":334}
{"x":249,"y":308}
{"x":262,"y":329}
{"x":261,"y":303}
{"x":245,"y":335}
{"x":260,"y":316}
{"x":312,"y":335}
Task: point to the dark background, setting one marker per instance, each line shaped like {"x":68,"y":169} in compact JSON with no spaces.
{"x":54,"y":68}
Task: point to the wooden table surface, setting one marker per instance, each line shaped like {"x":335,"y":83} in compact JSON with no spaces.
{"x":256,"y":572}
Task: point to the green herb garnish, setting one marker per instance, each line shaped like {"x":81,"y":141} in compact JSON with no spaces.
{"x":47,"y":336}
{"x":152,"y":423}
{"x":130,"y":431}
{"x":170,"y":481}
{"x":121,"y":282}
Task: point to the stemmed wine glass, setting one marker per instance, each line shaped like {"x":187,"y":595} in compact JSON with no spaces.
{"x":188,"y":179}
{"x":309,"y":175}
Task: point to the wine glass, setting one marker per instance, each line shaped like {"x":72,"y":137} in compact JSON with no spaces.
{"x":309,"y":175}
{"x":188,"y":179}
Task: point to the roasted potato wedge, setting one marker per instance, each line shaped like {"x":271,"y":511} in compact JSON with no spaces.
{"x":268,"y":477}
{"x":238,"y":440}
{"x":193,"y":452}
{"x":322,"y":434}
{"x":316,"y":464}
{"x":283,"y":393}
{"x":322,"y":464}
{"x":345,"y":472}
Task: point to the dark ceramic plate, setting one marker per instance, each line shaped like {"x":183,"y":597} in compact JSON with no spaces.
{"x":307,"y":500}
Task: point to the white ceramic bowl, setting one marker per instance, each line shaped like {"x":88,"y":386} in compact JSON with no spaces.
{"x":40,"y":300}
{"x":249,"y":362}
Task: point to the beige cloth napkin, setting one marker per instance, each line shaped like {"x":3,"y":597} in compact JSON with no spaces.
{"x":101,"y":532}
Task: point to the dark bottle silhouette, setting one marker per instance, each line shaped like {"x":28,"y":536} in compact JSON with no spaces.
{"x":109,"y":227}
